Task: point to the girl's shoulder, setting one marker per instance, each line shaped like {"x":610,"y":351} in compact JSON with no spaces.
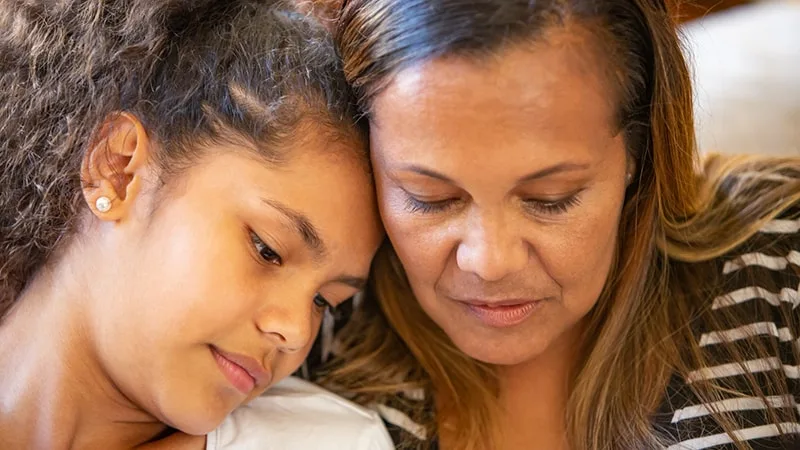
{"x":297,"y":414}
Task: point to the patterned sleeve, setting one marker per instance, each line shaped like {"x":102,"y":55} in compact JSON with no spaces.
{"x":761,"y":283}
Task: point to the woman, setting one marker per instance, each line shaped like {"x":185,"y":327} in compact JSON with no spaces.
{"x":559,"y":275}
{"x":174,"y":221}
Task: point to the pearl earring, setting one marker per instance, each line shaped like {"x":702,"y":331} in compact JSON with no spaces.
{"x":628,"y":178}
{"x":103,"y":204}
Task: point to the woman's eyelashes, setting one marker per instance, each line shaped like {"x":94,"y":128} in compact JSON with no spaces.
{"x":553,"y":207}
{"x":416,"y":205}
{"x":264,"y":251}
{"x":538,"y":206}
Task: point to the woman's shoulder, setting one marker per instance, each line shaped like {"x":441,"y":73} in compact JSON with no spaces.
{"x":757,"y":279}
{"x":755,"y":298}
{"x":748,"y":334}
{"x":297,"y":414}
{"x":763,"y":273}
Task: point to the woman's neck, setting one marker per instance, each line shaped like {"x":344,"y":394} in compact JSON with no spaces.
{"x":55,"y":393}
{"x":532,"y":402}
{"x":534,"y":395}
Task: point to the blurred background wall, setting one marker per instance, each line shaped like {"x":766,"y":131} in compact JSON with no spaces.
{"x":745,"y":57}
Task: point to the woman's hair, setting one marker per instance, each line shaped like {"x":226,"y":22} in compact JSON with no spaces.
{"x":195,"y":73}
{"x":676,"y":212}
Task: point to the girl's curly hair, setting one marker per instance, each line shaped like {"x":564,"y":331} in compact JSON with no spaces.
{"x":193,"y":71}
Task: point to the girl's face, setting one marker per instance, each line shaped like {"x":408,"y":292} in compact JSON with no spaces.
{"x":211,"y":289}
{"x":500,"y":183}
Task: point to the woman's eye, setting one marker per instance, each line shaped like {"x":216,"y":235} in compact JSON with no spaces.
{"x":267,"y":254}
{"x":416,"y":205}
{"x":321,"y":302}
{"x":554,"y":207}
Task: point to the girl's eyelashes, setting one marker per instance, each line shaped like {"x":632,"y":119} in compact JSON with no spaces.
{"x":271,"y":256}
{"x":321,"y":302}
{"x":264,"y":251}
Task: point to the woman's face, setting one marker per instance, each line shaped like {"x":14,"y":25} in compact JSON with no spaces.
{"x":213,"y":289}
{"x":500,"y":183}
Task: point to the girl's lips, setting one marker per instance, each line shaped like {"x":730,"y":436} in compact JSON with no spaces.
{"x":243,"y":372}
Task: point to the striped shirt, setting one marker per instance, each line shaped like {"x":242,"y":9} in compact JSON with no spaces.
{"x":760,"y":280}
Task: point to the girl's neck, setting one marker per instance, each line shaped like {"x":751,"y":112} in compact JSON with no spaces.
{"x":55,"y":392}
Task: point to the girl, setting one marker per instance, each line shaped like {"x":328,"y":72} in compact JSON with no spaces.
{"x":183,"y":195}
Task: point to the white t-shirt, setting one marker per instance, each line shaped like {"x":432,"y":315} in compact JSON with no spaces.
{"x":298,"y":415}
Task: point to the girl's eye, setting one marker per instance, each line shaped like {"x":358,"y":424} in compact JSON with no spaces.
{"x":267,"y":254}
{"x":416,"y":205}
{"x":553,"y":207}
{"x":321,"y":303}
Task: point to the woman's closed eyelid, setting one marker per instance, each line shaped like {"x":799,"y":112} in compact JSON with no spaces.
{"x":414,"y":204}
{"x":428,"y":193}
{"x":539,"y":206}
{"x":415,"y":201}
{"x":554,"y":207}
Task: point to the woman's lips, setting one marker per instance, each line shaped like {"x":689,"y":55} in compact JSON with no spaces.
{"x":502,"y":314}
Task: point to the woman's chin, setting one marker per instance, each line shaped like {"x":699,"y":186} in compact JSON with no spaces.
{"x":506,"y":351}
